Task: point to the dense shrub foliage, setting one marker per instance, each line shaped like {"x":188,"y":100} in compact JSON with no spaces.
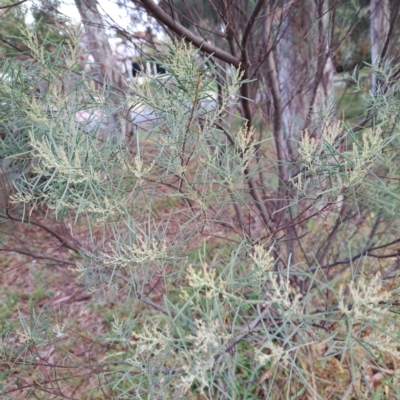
{"x":197,"y":204}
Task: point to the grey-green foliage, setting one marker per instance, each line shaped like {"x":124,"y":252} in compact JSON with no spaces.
{"x":223,"y":323}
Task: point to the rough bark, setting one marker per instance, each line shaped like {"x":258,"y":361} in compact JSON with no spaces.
{"x":380,"y":25}
{"x":95,"y":40}
{"x":305,"y":66}
{"x":106,"y":68}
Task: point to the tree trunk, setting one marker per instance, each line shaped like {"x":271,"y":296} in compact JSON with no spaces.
{"x":106,"y":69}
{"x":96,"y":41}
{"x":305,"y":66}
{"x":380,"y":25}
{"x":305,"y":74}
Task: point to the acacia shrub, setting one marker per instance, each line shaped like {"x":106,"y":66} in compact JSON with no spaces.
{"x":233,"y":320}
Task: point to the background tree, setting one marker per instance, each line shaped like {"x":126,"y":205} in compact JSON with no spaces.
{"x":10,"y":19}
{"x":46,"y":19}
{"x":96,"y":40}
{"x":380,"y":25}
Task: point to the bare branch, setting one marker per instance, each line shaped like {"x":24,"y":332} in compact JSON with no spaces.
{"x":250,"y":23}
{"x":189,"y":36}
{"x":12,"y":5}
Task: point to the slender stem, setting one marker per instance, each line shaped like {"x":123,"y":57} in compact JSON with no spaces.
{"x":189,"y":36}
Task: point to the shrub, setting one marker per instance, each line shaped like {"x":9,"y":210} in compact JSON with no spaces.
{"x":190,"y":204}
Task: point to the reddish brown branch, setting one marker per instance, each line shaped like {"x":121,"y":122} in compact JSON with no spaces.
{"x":161,"y":16}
